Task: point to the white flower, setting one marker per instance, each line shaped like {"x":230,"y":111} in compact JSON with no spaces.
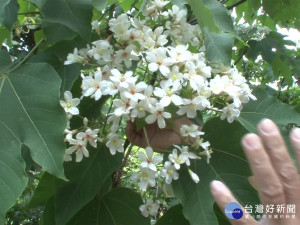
{"x":158,"y":60}
{"x":150,"y":208}
{"x":158,"y":115}
{"x":177,"y":14}
{"x":123,"y":106}
{"x":115,"y":144}
{"x":126,"y":56}
{"x":183,"y":157}
{"x":74,"y":58}
{"x":90,"y":136}
{"x":101,"y":51}
{"x":180,"y":53}
{"x":175,"y":76}
{"x":194,"y":176}
{"x":146,"y":177}
{"x":67,"y":157}
{"x":93,"y":86}
{"x":140,"y":109}
{"x":79,"y":147}
{"x":133,"y":92}
{"x":122,"y":79}
{"x":120,"y":26}
{"x":192,"y":131}
{"x":148,"y":159}
{"x":230,"y":113}
{"x":177,"y":159}
{"x":169,"y":172}
{"x":190,"y":107}
{"x":95,"y":26}
{"x":70,"y":103}
{"x":168,"y":93}
{"x":216,"y":85}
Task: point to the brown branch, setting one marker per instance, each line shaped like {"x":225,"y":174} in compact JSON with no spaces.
{"x":120,"y":172}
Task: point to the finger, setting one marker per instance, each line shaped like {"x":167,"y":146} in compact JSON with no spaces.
{"x":133,"y":136}
{"x":280,"y":159}
{"x":295,"y":140}
{"x":223,"y":196}
{"x":268,"y":183}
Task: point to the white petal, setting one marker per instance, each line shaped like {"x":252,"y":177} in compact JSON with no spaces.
{"x":150,"y":119}
{"x":68,"y":96}
{"x":74,"y":111}
{"x":79,"y":156}
{"x":153,"y":67}
{"x":142,"y":156}
{"x":144,"y":164}
{"x":165,"y":101}
{"x":152,"y":167}
{"x":149,"y":152}
{"x":164,"y":70}
{"x":161,"y":122}
{"x":85,"y":152}
{"x":157,"y":159}
{"x":143,"y":185}
{"x":176,"y":100}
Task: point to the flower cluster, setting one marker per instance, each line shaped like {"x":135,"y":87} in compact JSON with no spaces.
{"x":154,"y":75}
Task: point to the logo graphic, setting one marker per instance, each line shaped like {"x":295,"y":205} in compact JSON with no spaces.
{"x":233,"y":210}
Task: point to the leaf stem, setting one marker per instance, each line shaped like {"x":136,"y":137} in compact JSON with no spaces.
{"x":146,"y":136}
{"x":26,"y":57}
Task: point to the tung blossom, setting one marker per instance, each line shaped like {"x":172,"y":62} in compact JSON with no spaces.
{"x":148,"y":160}
{"x":158,"y":115}
{"x":158,"y":60}
{"x":70,"y":104}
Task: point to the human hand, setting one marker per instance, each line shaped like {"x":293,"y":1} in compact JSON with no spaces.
{"x":275,"y":176}
{"x":158,"y":138}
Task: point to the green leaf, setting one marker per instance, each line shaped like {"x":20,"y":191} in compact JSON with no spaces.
{"x":227,"y":164}
{"x":212,"y":15}
{"x":5,"y":61}
{"x":218,"y":47}
{"x":120,"y":206}
{"x":99,"y":4}
{"x":48,"y":213}
{"x":68,"y":74}
{"x":5,"y":36}
{"x":38,"y":3}
{"x":281,"y":67}
{"x":126,"y":4}
{"x":86,"y":179}
{"x":13,"y":178}
{"x":44,"y":191}
{"x":266,"y":106}
{"x":64,"y":19}
{"x":282,"y":10}
{"x":8,"y":12}
{"x":30,"y":97}
{"x":173,"y":216}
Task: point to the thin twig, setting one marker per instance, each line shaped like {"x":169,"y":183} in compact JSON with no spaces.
{"x":120,"y":172}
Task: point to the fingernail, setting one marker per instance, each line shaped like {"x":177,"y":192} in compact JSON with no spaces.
{"x":267,"y":126}
{"x":251,"y":141}
{"x":296,"y":134}
{"x":217,"y":187}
